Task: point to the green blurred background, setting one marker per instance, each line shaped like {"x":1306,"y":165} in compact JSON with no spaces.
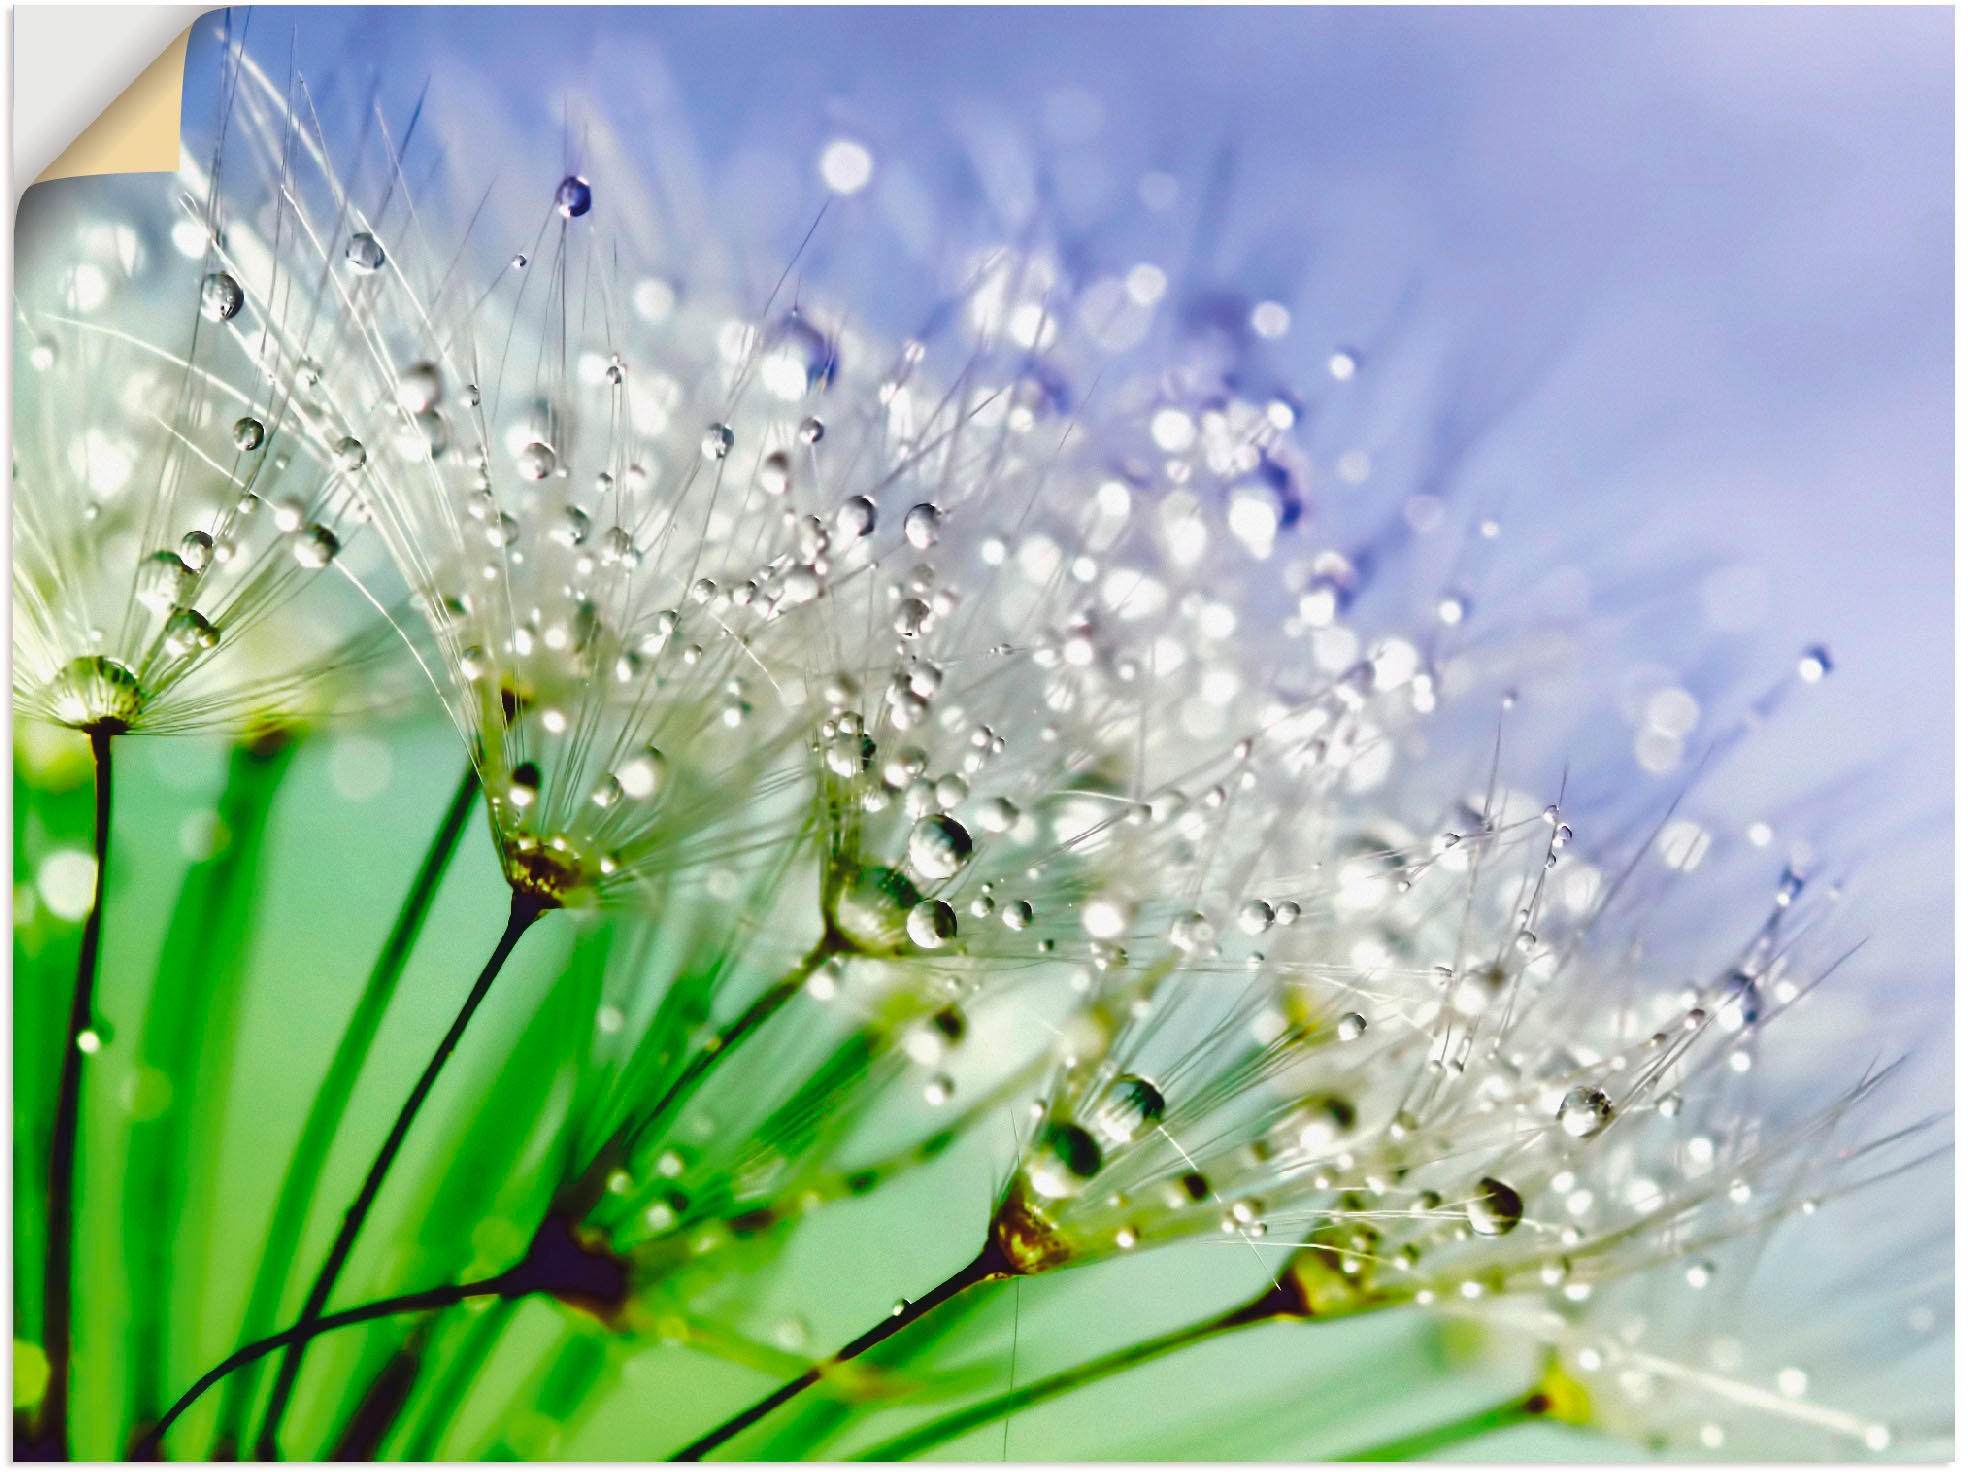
{"x":349,"y":820}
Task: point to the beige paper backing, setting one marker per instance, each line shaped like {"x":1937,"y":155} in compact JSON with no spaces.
{"x":138,"y":132}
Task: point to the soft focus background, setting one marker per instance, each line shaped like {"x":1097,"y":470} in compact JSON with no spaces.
{"x":1671,"y":287}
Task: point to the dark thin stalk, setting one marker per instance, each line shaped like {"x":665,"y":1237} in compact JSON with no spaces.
{"x":988,"y":1266}
{"x":997,"y":1407}
{"x":525,"y":910}
{"x":290,"y":1212}
{"x":727,"y":1038}
{"x":801,"y":1436}
{"x":427,"y":1298}
{"x":714,"y":1049}
{"x":51,"y":1426}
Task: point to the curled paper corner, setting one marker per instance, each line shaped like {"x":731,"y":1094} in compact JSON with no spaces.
{"x":138,"y":130}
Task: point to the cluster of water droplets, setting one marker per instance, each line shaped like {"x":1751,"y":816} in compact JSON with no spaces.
{"x":192,"y":451}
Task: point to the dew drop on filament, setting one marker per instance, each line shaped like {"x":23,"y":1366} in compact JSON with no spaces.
{"x":938,"y":846}
{"x":1585,"y":1112}
{"x":188,"y":633}
{"x":220,"y":299}
{"x":1495,"y":1209}
{"x":1065,"y":1159}
{"x":574,"y":198}
{"x":932,"y":924}
{"x":364,"y":253}
{"x":535,"y":461}
{"x":922,"y":525}
{"x":315,"y":546}
{"x":1129,"y":1109}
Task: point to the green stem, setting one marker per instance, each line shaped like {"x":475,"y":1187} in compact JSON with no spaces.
{"x":50,"y":1438}
{"x":578,"y":1365}
{"x":988,"y":1266}
{"x":1009,"y":1403}
{"x":325,"y":1115}
{"x":525,"y":910}
{"x":1513,"y":1412}
{"x":587,"y":1189}
{"x":428,"y":1298}
{"x":805,"y":1433}
{"x":440,"y":1407}
{"x":190,"y":1015}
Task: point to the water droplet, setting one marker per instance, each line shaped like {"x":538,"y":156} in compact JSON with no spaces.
{"x":1741,"y":1002}
{"x":93,"y":690}
{"x":932,"y":924}
{"x":800,"y":360}
{"x":997,"y":815}
{"x":1254,"y":917}
{"x":364,"y":254}
{"x":163,"y":581}
{"x":220,"y":299}
{"x":1129,"y":1109}
{"x":535,"y":461}
{"x":350,"y":455}
{"x":1107,"y":917}
{"x":314,"y":546}
{"x":1351,"y":1027}
{"x":248,"y":435}
{"x":1321,"y":1123}
{"x":641,"y":776}
{"x":717,"y":442}
{"x":776,"y":473}
{"x":574,"y":198}
{"x":419,"y":388}
{"x":871,"y":911}
{"x":188,"y":634}
{"x":1814,"y":664}
{"x":571,"y":530}
{"x":1191,"y":1188}
{"x":922,"y":525}
{"x":1065,"y":1158}
{"x":1495,"y":1209}
{"x":811,"y":431}
{"x":854,"y":520}
{"x":1192,"y":932}
{"x":938,"y":846}
{"x":523,"y":790}
{"x":912,"y":616}
{"x":1585,"y":1112}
